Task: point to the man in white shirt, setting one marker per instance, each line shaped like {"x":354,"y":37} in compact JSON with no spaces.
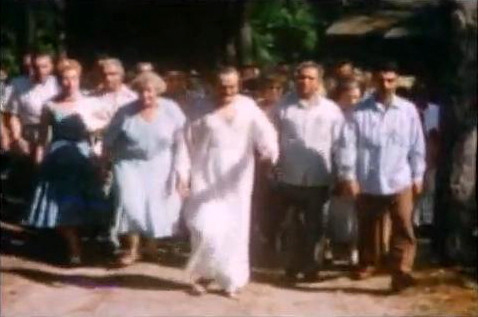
{"x":309,"y":127}
{"x":28,"y":97}
{"x":27,"y":101}
{"x":30,"y":92}
{"x":112,"y":96}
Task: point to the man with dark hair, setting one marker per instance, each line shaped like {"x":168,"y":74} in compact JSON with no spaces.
{"x":26,"y":102}
{"x":308,"y":126}
{"x":29,"y":94}
{"x":343,"y":69}
{"x":220,"y":171}
{"x":177,"y":89}
{"x":382,"y":157}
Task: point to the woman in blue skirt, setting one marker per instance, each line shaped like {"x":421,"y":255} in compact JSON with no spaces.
{"x":67,"y":195}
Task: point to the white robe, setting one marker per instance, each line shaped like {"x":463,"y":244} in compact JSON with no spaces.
{"x":221,"y":169}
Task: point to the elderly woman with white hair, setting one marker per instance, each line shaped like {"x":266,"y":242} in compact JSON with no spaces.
{"x":143,"y":139}
{"x":113,"y":93}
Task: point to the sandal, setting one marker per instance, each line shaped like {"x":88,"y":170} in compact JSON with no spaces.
{"x":231,"y":294}
{"x":198,"y":289}
{"x":128,"y":258}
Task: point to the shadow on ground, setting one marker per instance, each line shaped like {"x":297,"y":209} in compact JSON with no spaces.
{"x":46,"y":246}
{"x":117,"y":280}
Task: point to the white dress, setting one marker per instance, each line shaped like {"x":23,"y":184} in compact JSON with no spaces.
{"x":221,"y":172}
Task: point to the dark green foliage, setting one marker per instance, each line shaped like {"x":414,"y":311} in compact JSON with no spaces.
{"x":25,"y":26}
{"x":283,"y":30}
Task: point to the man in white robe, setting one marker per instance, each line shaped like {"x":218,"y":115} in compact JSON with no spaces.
{"x":220,"y":172}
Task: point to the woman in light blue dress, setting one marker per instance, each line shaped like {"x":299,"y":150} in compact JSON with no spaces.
{"x":143,"y":140}
{"x":68,"y":194}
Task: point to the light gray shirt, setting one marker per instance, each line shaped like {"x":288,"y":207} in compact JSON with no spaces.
{"x":28,"y":98}
{"x":308,"y":136}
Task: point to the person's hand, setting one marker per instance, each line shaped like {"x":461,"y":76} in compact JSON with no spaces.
{"x":182,"y":187}
{"x":276,"y":172}
{"x":38,"y":156}
{"x":5,"y":142}
{"x":21,"y":146}
{"x":417,"y":189}
{"x":350,"y":188}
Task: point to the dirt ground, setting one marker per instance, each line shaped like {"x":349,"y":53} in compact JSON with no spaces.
{"x":32,"y":285}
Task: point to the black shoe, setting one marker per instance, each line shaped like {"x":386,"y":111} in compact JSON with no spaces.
{"x":311,"y":277}
{"x":291,"y":276}
{"x":402,"y":281}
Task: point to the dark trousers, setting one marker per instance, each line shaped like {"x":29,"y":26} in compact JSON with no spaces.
{"x":305,"y":206}
{"x":371,"y":209}
{"x":266,"y":218}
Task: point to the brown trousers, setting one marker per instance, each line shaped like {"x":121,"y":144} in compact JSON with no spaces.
{"x":373,"y":211}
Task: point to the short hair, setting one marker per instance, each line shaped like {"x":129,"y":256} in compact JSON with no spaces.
{"x":38,"y":53}
{"x":386,"y":66}
{"x":274,"y":78}
{"x":149,"y":77}
{"x":112,"y":62}
{"x":144,"y":67}
{"x":310,"y":64}
{"x":175,"y":72}
{"x":68,"y":64}
{"x":225,"y":70}
{"x":346,"y":85}
{"x":342,"y":62}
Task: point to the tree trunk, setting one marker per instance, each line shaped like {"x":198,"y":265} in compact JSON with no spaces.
{"x":454,"y":210}
{"x":244,"y":40}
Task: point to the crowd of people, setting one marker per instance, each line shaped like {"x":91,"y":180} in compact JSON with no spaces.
{"x":334,"y":156}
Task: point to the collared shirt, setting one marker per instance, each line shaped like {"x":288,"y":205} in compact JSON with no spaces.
{"x":111,"y":101}
{"x":308,"y":136}
{"x":28,"y":98}
{"x":382,"y":148}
